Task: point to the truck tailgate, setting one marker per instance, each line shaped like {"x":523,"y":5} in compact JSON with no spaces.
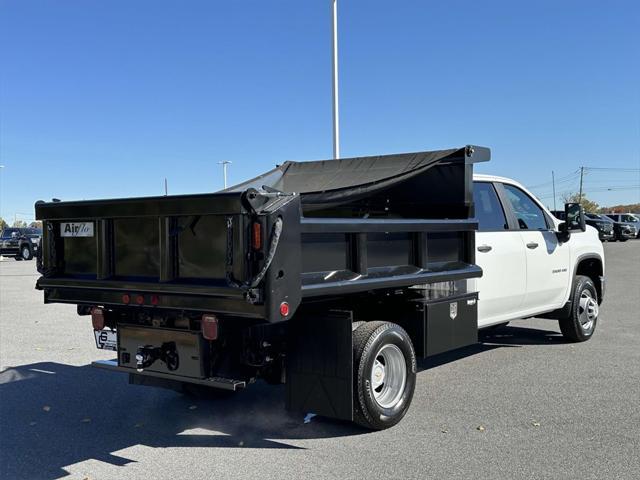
{"x":96,"y":251}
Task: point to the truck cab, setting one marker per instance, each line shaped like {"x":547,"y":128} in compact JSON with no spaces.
{"x":529,"y":266}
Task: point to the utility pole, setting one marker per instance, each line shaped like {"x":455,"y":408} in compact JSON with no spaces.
{"x":166,"y":189}
{"x":224,"y":164}
{"x":336,"y":122}
{"x":553,"y":181}
{"x":581,"y":175}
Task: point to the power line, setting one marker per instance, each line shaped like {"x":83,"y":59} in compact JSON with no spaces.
{"x":615,"y":189}
{"x":613,"y":169}
{"x":558,"y":180}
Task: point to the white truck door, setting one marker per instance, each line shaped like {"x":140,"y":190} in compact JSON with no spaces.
{"x":500,"y":253}
{"x":548,"y":272}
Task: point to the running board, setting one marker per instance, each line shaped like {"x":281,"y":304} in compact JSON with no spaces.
{"x":213,"y":382}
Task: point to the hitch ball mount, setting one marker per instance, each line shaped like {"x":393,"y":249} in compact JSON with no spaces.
{"x":148,"y":354}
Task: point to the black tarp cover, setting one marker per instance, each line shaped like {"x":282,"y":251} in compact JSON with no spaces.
{"x":336,"y":181}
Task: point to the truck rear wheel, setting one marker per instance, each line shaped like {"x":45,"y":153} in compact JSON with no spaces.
{"x":580,"y":324}
{"x":384,"y":374}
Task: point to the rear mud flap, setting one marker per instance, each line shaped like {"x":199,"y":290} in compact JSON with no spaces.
{"x":320,"y":364}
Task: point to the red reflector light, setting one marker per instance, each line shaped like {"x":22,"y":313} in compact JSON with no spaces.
{"x":155,"y":300}
{"x":284,"y":309}
{"x":97,"y":318}
{"x":126,"y":298}
{"x":256,"y":237}
{"x":139,"y":299}
{"x":209,"y":326}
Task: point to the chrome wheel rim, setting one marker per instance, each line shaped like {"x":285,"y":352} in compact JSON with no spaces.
{"x":587,"y":311}
{"x":388,"y":376}
{"x":25,"y":252}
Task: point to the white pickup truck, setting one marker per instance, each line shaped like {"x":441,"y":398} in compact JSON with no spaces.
{"x":532,"y":268}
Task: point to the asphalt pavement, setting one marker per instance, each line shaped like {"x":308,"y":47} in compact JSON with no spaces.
{"x":520,"y":404}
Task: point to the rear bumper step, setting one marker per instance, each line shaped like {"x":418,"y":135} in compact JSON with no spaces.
{"x":213,"y":382}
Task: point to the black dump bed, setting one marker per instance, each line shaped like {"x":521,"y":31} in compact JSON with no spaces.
{"x":302,"y":230}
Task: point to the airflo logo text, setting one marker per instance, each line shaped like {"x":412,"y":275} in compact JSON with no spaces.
{"x":76,"y":229}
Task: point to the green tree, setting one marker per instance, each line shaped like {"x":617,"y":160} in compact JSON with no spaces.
{"x":20,"y":224}
{"x":3,"y":224}
{"x":588,"y":205}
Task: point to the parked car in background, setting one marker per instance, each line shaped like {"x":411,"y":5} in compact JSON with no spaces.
{"x":621,"y":231}
{"x":637,"y":216}
{"x":627,"y":219}
{"x":604,"y":227}
{"x":20,"y":243}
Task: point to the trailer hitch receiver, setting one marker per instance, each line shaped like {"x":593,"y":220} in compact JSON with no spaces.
{"x":148,"y":354}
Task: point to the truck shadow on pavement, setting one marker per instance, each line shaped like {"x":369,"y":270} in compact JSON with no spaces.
{"x":490,"y":339}
{"x":54,"y":415}
{"x":512,"y":335}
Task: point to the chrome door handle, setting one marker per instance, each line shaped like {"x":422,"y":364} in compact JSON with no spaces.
{"x":532,"y":245}
{"x":484,"y":248}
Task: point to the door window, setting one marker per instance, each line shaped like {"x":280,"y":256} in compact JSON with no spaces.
{"x":489,"y":212}
{"x":528,"y":214}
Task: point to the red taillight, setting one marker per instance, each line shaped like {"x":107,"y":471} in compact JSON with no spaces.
{"x":284,"y":309}
{"x":126,"y":299}
{"x":155,"y":300}
{"x":209,"y":326}
{"x":256,"y":236}
{"x":139,"y":299}
{"x":97,"y":318}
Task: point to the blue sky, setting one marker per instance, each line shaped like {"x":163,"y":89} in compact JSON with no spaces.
{"x":107,"y":98}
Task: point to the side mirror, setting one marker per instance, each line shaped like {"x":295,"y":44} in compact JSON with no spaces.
{"x":574,"y":217}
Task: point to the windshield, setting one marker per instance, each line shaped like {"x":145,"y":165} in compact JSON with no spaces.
{"x":8,"y":232}
{"x":629,"y":218}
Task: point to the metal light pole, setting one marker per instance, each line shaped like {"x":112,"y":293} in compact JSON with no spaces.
{"x":553,"y":181}
{"x":224,"y":164}
{"x":1,"y":169}
{"x":336,"y":123}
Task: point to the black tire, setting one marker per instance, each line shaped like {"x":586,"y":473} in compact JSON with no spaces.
{"x":25,"y":252}
{"x":573,"y":327}
{"x":624,"y":239}
{"x":18,"y":257}
{"x":369,"y":340}
{"x":356,"y":325}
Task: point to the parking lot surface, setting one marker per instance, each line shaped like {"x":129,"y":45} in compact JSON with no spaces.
{"x":520,"y":404}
